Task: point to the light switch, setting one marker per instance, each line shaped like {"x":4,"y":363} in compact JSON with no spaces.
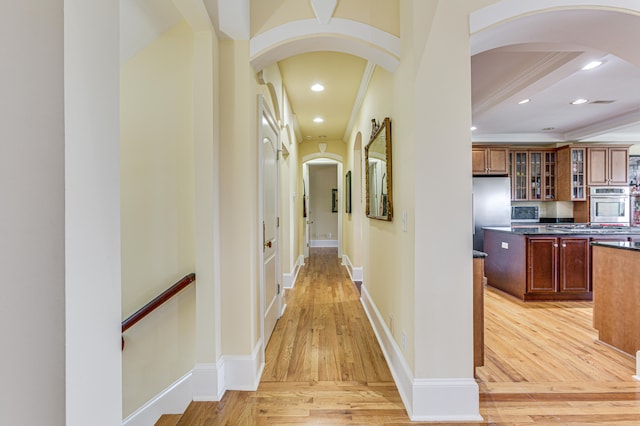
{"x":404,"y":221}
{"x":505,"y":245}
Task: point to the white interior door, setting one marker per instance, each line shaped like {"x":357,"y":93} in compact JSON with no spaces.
{"x":270,"y":285}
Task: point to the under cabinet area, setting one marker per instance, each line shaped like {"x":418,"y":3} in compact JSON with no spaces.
{"x":489,"y":161}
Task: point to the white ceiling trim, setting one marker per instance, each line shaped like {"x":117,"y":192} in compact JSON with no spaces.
{"x":515,"y":138}
{"x":525,"y":79}
{"x":319,"y":155}
{"x":233,"y":19}
{"x":324,"y":9}
{"x":362,"y":91}
{"x":308,"y":35}
{"x":606,"y":126}
{"x":507,"y":9}
{"x":195,"y":14}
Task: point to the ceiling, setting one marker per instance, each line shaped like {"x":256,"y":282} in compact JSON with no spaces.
{"x":340,"y":74}
{"x":540,"y":57}
{"x":537,"y":57}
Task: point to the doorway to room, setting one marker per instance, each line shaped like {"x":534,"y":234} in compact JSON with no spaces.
{"x":324,"y":203}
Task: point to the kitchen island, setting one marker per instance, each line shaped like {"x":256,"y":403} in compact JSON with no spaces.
{"x":546,"y":263}
{"x":616,"y":294}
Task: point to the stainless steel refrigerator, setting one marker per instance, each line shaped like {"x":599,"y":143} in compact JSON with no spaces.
{"x":491,"y":206}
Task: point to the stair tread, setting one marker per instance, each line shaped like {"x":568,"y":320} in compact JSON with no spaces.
{"x":168,"y":420}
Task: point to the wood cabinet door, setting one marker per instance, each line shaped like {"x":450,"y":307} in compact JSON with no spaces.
{"x":498,"y":161}
{"x":618,"y":166}
{"x":478,"y":161}
{"x":520,"y":175}
{"x":574,"y":264}
{"x":597,"y":166}
{"x":542,"y":265}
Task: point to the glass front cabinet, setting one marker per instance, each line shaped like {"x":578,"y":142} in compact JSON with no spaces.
{"x":533,"y":175}
{"x":572,"y":177}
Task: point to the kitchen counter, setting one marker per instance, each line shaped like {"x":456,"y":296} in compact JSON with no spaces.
{"x":562,"y":230}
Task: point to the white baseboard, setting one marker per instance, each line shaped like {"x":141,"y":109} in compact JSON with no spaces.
{"x":208,"y":381}
{"x":289,"y":279}
{"x":243,"y":372}
{"x":444,"y":399}
{"x":323,"y":243}
{"x":173,"y":400}
{"x":354,"y":272}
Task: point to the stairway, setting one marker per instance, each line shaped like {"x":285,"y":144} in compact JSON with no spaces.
{"x":197,"y":413}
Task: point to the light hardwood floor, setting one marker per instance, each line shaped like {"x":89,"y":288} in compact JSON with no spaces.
{"x":324,"y":366}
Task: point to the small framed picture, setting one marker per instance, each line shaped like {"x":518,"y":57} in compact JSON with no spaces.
{"x":334,"y":200}
{"x":347,"y":192}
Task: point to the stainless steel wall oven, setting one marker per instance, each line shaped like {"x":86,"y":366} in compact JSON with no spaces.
{"x":609,"y":205}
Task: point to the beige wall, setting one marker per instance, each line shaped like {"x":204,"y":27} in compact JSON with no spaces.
{"x":239,"y":200}
{"x":387,"y":251}
{"x":157,"y":212}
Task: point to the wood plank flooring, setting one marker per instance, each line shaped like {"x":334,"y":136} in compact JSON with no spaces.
{"x":324,"y":366}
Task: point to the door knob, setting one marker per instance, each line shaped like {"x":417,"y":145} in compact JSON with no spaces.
{"x":267,"y":244}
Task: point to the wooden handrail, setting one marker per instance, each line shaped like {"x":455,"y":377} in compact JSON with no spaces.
{"x":156,"y":302}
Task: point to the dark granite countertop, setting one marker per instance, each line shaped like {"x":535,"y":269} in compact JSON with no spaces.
{"x":624,"y":245}
{"x":567,"y":230}
{"x":479,"y":254}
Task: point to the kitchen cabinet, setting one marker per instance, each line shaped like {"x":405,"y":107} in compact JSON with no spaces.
{"x":533,"y":175}
{"x":489,"y":161}
{"x":557,"y":265}
{"x":571,"y":174}
{"x":608,"y":165}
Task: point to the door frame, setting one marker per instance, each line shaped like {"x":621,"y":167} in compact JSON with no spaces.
{"x":337,"y":159}
{"x":265,"y":112}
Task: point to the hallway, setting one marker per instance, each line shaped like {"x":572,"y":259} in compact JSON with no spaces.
{"x":323,"y":362}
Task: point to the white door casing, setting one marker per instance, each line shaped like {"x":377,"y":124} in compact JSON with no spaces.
{"x":268,"y":139}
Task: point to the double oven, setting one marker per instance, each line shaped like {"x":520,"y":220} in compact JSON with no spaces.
{"x":609,"y":205}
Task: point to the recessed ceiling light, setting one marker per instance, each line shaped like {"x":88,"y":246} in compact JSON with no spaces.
{"x":473,"y":128}
{"x":591,"y":65}
{"x":318,"y":120}
{"x":579,"y":101}
{"x":524,"y":101}
{"x":317,"y":87}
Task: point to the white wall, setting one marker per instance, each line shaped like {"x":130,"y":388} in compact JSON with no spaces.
{"x":92,"y":214}
{"x":32,"y":214}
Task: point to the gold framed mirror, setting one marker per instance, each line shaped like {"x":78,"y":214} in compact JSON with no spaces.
{"x":377,"y":158}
